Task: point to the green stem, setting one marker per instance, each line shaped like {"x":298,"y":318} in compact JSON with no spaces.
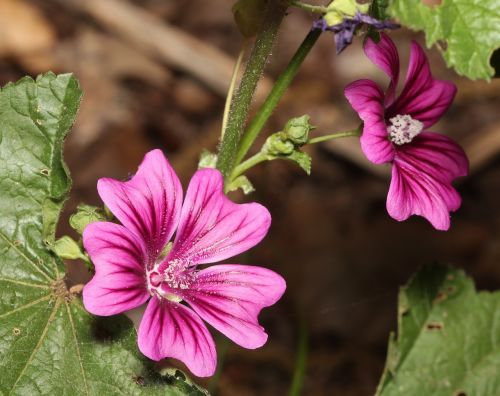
{"x":249,"y":163}
{"x":261,"y":157}
{"x":300,"y":361}
{"x":275,"y":11}
{"x":319,"y":139}
{"x":309,"y":7}
{"x":275,"y":95}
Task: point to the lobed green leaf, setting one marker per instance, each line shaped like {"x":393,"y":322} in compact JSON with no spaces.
{"x":448,"y":339}
{"x":466,"y":31}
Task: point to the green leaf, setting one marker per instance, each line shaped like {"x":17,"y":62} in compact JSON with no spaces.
{"x":466,"y":31}
{"x":49,"y":344}
{"x":301,"y":159}
{"x":448,"y":338}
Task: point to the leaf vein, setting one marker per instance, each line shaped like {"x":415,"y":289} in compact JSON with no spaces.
{"x":73,"y":330}
{"x":22,"y":307}
{"x":21,"y":253}
{"x":38,"y":345}
{"x":39,"y":285}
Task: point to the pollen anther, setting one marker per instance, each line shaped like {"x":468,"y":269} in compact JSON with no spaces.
{"x":165,"y":280}
{"x":403,"y":129}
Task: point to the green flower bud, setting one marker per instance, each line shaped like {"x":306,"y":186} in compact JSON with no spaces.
{"x":297,"y":130}
{"x":85,"y":214}
{"x":67,"y":248}
{"x":278,"y":144}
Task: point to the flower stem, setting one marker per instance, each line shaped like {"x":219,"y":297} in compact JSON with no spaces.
{"x":275,"y":11}
{"x":309,"y":7}
{"x":300,"y":361}
{"x":261,"y":157}
{"x":249,"y":163}
{"x":319,"y":139}
{"x":275,"y":95}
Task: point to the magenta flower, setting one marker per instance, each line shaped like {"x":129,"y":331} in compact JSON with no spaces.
{"x":134,"y":263}
{"x":395,"y":131}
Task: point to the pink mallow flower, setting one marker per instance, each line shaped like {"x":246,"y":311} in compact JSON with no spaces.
{"x":134,"y":263}
{"x":395,"y":131}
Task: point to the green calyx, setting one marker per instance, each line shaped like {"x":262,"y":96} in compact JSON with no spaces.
{"x":294,"y":135}
{"x":278,"y":144}
{"x":67,"y":248}
{"x":286,"y":144}
{"x":297,"y":130}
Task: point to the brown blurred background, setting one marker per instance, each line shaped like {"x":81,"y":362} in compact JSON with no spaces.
{"x":154,"y":74}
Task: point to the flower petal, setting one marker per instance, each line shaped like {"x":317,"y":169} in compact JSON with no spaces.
{"x":437,"y":155}
{"x":367,"y":99}
{"x":423,"y":98}
{"x":422,"y":187}
{"x":384,"y":54}
{"x":149,"y":204}
{"x":170,"y":329}
{"x":118,"y":284}
{"x":230,"y":298}
{"x":213,"y":228}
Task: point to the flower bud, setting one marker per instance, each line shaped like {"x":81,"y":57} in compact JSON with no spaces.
{"x":278,"y":144}
{"x":67,"y":248}
{"x":85,"y":214}
{"x":297,"y":130}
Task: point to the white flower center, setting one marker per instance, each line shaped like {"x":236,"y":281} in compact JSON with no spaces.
{"x":177,"y":275}
{"x":404,"y":129}
{"x":163,"y":280}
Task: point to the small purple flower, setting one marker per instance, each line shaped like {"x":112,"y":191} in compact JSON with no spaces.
{"x":344,"y":31}
{"x":133,"y":263}
{"x":395,"y":131}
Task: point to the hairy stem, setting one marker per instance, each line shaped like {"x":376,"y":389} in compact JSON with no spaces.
{"x":275,"y":11}
{"x":275,"y":95}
